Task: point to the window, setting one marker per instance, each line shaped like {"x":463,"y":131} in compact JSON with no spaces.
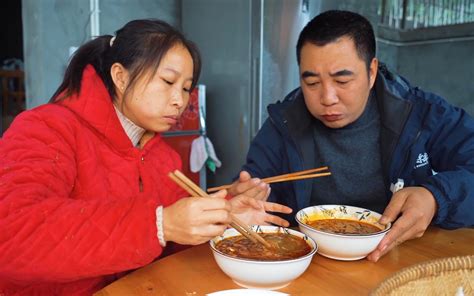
{"x":413,"y":14}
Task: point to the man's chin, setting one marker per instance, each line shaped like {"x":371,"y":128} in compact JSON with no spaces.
{"x":335,"y":124}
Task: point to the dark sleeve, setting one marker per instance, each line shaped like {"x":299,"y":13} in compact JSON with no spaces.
{"x":452,"y":158}
{"x":267,"y":157}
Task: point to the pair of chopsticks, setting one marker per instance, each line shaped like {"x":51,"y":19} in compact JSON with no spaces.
{"x":194,"y":190}
{"x":300,"y":175}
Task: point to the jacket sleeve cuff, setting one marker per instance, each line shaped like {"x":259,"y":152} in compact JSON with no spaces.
{"x":159,"y":226}
{"x":442,"y":211}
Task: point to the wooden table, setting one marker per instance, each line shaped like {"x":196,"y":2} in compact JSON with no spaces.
{"x":194,"y":271}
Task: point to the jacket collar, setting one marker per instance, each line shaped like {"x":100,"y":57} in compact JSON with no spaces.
{"x":293,"y":119}
{"x":391,"y":90}
{"x":394,"y":112}
{"x":93,"y":106}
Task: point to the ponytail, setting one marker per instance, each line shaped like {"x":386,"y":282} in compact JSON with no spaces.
{"x":139,"y":47}
{"x":91,"y":53}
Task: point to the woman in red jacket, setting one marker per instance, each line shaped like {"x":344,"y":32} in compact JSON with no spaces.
{"x":84,"y":192}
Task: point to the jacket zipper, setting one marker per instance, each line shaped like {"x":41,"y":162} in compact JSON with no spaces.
{"x":405,"y":161}
{"x":411,"y":145}
{"x":140,"y":182}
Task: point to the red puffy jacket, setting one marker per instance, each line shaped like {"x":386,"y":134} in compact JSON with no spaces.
{"x":72,"y":213}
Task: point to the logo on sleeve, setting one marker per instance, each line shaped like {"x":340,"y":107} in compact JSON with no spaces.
{"x":421,"y":160}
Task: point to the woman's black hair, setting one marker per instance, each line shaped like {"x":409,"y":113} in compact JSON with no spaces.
{"x":331,"y":25}
{"x":139,"y":46}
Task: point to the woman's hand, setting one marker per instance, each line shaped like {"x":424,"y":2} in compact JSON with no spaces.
{"x":193,"y":221}
{"x":251,"y":187}
{"x":416,"y":207}
{"x":254,"y":212}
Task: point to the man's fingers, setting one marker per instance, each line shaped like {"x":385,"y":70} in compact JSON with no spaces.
{"x":398,"y":229}
{"x":401,"y":230}
{"x":379,"y":252}
{"x":276,"y":220}
{"x":254,"y":203}
{"x":263,"y":191}
{"x":244,"y":176}
{"x":417,"y":206}
{"x":274,"y":207}
{"x":250,"y":187}
{"x":254,"y":188}
{"x":268,"y":193}
{"x":219,"y":194}
{"x":393,"y":208}
{"x":242,"y":184}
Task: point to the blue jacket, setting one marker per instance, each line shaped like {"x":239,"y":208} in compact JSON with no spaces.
{"x":424,"y":140}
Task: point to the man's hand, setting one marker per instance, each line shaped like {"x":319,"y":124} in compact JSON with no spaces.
{"x":416,"y":207}
{"x":250,"y":187}
{"x":254,"y":212}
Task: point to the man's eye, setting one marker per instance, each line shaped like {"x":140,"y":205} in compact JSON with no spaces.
{"x":342,"y":82}
{"x":313,"y":83}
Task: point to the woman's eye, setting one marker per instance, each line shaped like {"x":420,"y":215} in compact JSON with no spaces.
{"x":187,"y":90}
{"x":167,"y":82}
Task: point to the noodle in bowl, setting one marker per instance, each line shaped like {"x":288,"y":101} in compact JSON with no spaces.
{"x":358,"y":236}
{"x":258,"y":273}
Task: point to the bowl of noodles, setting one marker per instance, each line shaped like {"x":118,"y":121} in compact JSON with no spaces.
{"x":252,"y":265}
{"x":342,"y":232}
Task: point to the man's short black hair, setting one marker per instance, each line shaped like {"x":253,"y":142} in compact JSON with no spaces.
{"x":331,"y":25}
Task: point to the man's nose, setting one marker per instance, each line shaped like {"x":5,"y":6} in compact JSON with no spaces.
{"x":328,"y":95}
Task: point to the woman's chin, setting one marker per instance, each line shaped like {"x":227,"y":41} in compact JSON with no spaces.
{"x":162,"y":128}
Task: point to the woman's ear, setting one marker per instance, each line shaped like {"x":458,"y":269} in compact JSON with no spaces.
{"x":120,"y":77}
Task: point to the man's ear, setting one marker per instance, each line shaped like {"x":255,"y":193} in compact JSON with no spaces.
{"x":120,"y":77}
{"x":374,"y":66}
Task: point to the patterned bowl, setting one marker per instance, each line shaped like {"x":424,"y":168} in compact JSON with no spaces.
{"x":338,"y":246}
{"x":256,"y":274}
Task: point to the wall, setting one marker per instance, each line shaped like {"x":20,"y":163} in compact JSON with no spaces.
{"x":282,"y":22}
{"x":249,"y":61}
{"x":438,"y":60}
{"x":222,"y":30}
{"x":51,"y":27}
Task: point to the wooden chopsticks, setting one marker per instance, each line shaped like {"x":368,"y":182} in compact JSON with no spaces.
{"x":194,"y":190}
{"x":306,"y":174}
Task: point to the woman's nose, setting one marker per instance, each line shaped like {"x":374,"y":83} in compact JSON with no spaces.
{"x":177,"y":99}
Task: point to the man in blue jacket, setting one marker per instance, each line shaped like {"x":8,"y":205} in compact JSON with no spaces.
{"x":373,"y":130}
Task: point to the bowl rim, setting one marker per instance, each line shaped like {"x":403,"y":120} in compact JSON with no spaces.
{"x":314,"y":246}
{"x":352,"y":235}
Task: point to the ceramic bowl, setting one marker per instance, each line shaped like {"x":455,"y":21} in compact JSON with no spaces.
{"x":342,"y":246}
{"x":256,"y":274}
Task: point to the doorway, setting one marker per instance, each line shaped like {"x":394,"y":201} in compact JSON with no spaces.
{"x":11,"y":62}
